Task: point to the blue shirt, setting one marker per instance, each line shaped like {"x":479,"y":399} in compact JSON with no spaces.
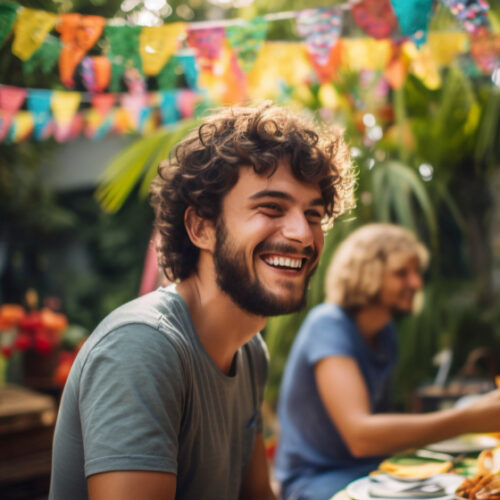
{"x":310,"y":443}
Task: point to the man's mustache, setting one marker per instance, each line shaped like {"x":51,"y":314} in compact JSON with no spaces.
{"x":308,"y":251}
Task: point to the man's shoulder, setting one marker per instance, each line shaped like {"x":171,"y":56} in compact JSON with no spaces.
{"x":149,"y":310}
{"x":157,"y":315}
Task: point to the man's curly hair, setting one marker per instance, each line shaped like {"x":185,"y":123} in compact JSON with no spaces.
{"x":206,"y":165}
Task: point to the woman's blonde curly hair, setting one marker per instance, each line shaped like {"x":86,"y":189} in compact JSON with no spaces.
{"x":355,"y":274}
{"x":206,"y":164}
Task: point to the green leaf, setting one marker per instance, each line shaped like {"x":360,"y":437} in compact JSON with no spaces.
{"x":137,"y":164}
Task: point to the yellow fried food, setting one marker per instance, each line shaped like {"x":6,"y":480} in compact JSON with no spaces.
{"x":420,"y":471}
{"x":480,"y":487}
{"x":488,"y":461}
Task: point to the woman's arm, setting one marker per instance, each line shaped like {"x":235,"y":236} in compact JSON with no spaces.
{"x":345,"y":396}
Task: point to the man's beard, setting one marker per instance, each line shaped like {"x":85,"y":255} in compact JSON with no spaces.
{"x":233,"y":278}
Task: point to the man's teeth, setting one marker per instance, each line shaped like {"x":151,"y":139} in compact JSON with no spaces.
{"x":284,"y":262}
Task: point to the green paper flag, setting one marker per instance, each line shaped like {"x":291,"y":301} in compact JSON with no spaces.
{"x":123,"y":52}
{"x":8,"y":15}
{"x":45,"y":57}
{"x":168,"y":76}
{"x":247,"y":40}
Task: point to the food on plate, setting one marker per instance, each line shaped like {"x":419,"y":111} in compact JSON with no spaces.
{"x":480,"y":487}
{"x":488,"y":461}
{"x":419,"y":471}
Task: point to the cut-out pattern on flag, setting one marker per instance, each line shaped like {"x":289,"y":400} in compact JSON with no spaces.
{"x":207,"y":44}
{"x":30,"y":30}
{"x":375,"y":17}
{"x":78,"y":35}
{"x":321,"y":29}
{"x":473,"y":14}
{"x":246,"y":41}
{"x":413,"y":18}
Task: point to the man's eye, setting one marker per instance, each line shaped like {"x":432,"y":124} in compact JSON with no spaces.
{"x":314,"y":216}
{"x":272,"y":208}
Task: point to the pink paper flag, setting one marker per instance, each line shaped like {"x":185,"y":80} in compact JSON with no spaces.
{"x":207,"y":44}
{"x":11,"y":99}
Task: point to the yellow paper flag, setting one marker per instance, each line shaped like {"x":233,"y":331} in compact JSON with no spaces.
{"x":278,"y":62}
{"x":64,"y":106}
{"x":446,"y":46}
{"x":30,"y":30}
{"x":365,"y":53}
{"x":22,"y":125}
{"x":157,"y":44}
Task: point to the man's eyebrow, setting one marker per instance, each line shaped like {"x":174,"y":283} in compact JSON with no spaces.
{"x":267,"y":193}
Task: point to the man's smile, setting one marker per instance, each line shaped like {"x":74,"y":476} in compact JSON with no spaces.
{"x":284,"y":262}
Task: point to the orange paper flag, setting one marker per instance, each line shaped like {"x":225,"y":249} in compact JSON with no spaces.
{"x":78,"y":34}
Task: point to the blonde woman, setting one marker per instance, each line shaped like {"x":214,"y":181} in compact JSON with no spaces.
{"x":334,"y":402}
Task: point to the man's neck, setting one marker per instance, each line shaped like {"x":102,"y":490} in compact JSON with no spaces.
{"x":370,"y":320}
{"x":221,"y":325}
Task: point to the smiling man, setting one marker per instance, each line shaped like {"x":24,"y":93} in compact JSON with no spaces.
{"x":163,"y":401}
{"x":335,"y":394}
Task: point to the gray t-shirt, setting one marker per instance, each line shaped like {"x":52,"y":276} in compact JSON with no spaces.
{"x":143,"y":394}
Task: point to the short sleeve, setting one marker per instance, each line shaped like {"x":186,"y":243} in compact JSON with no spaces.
{"x":328,"y":335}
{"x":131,"y":402}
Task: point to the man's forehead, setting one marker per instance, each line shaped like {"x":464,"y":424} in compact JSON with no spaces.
{"x":277,"y":179}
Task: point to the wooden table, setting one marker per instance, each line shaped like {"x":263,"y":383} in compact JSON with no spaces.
{"x":27,"y":420}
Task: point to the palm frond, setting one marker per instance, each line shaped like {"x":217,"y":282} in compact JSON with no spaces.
{"x":137,"y":164}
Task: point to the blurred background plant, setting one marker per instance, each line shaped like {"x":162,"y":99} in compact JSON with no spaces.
{"x":37,"y":342}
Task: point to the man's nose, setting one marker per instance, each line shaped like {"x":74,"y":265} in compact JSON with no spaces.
{"x":296,"y":227}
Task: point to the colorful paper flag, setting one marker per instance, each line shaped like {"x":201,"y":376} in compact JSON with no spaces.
{"x":96,"y":73}
{"x":45,"y":57}
{"x":11,"y":99}
{"x":123,"y":51}
{"x":78,"y":34}
{"x":8,"y":15}
{"x":375,"y":17}
{"x":321,"y":29}
{"x":64,"y":106}
{"x":38,"y":103}
{"x":246,"y":40}
{"x":473,"y":14}
{"x":207,"y":44}
{"x":30,"y":30}
{"x":157,"y":44}
{"x":413,"y":17}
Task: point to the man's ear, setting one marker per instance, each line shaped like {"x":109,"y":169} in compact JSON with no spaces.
{"x":201,"y":231}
